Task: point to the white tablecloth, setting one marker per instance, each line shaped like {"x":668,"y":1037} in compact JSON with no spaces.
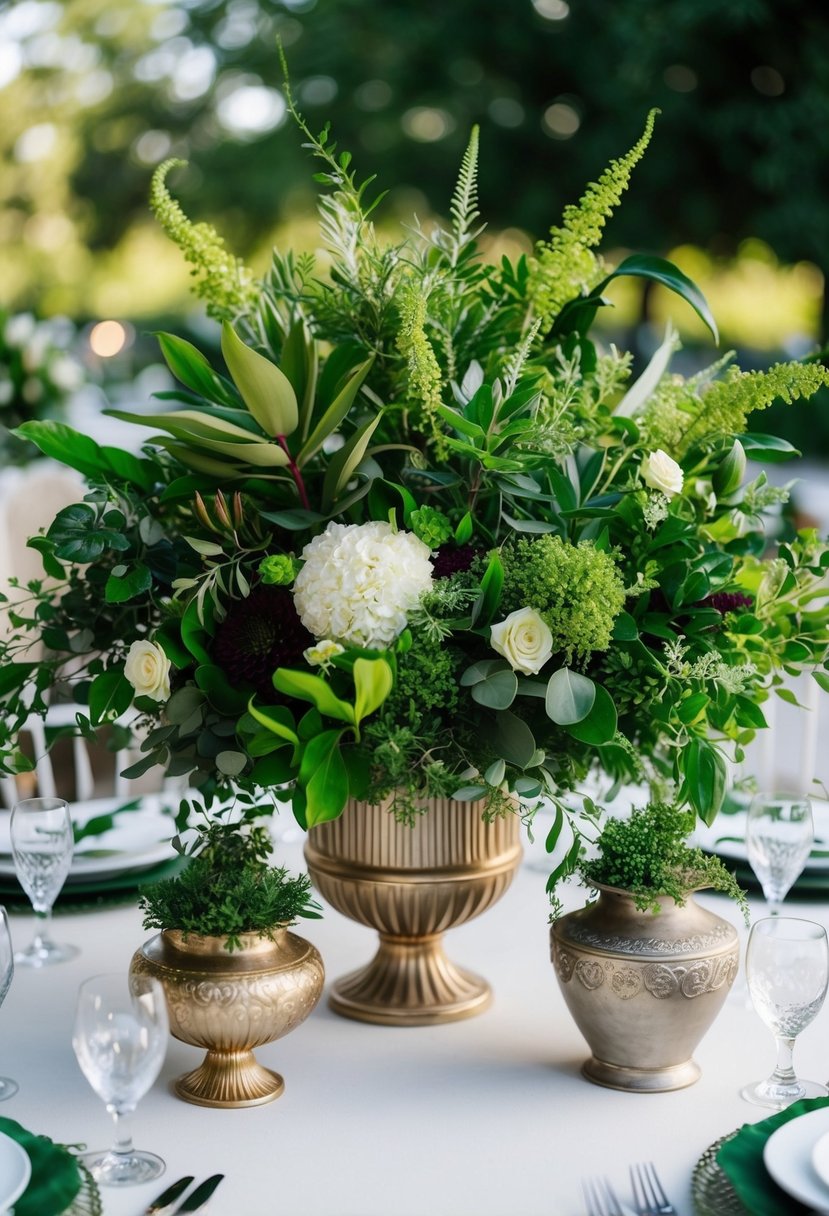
{"x":486,"y":1117}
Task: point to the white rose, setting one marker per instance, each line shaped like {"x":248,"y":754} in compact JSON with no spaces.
{"x":524,"y":640}
{"x":148,"y":670}
{"x":661,"y":472}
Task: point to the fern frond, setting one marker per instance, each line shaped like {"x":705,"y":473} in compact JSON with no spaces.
{"x":464,"y":206}
{"x":516,"y":364}
{"x":223,"y":281}
{"x":566,"y":265}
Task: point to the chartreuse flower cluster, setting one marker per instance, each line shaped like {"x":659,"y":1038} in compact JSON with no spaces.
{"x":419,"y":535}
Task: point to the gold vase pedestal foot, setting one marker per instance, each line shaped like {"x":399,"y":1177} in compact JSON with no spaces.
{"x":641,"y":1080}
{"x":410,"y":982}
{"x":412,"y":883}
{"x":229,"y":1079}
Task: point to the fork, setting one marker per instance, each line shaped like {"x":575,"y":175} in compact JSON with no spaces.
{"x":600,"y":1198}
{"x":649,"y":1197}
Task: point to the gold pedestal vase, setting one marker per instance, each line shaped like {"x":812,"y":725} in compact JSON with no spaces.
{"x":643,"y":987}
{"x":412,"y":884}
{"x":231,"y":1002}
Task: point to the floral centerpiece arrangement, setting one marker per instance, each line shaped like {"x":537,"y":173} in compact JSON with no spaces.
{"x":424,"y":535}
{"x":38,"y":374}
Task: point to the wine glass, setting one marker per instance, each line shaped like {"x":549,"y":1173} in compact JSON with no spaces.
{"x":42,"y":845}
{"x":779,"y":836}
{"x":120,"y":1038}
{"x":787,"y":968}
{"x":8,"y":1088}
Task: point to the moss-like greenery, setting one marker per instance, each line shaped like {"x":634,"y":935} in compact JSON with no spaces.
{"x":228,"y":888}
{"x":577,"y":589}
{"x":647,"y":855}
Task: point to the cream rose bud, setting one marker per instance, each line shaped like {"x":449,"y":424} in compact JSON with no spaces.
{"x":148,"y":670}
{"x":524,"y":639}
{"x":661,"y":472}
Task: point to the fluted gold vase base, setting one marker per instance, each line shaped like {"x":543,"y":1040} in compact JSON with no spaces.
{"x":228,"y":1080}
{"x":641,"y":1080}
{"x":410,"y":982}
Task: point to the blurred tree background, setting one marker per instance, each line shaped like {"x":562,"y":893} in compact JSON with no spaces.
{"x":94,"y":94}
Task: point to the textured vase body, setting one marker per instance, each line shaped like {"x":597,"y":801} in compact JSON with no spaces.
{"x":411,"y":884}
{"x":231,"y":1002}
{"x":643,"y":988}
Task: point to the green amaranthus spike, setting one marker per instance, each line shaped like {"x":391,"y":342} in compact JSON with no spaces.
{"x":223,"y":281}
{"x":676,"y":425}
{"x":565,"y":265}
{"x":424,"y":378}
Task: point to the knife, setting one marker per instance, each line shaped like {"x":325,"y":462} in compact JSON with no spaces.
{"x":169,"y":1196}
{"x":200,"y":1196}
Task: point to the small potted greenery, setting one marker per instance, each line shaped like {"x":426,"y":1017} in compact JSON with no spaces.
{"x":645,"y":969}
{"x":234,"y":976}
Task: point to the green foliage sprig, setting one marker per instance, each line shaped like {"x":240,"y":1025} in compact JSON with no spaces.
{"x":229,"y":888}
{"x":648,"y":856}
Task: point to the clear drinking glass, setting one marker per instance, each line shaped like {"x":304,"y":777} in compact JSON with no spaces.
{"x":7,"y":1087}
{"x":787,"y":968}
{"x":42,"y":846}
{"x":780,"y":833}
{"x":120,"y":1038}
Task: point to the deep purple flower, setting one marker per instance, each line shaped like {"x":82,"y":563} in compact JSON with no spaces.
{"x":728,"y":601}
{"x":453,"y":559}
{"x":258,"y":635}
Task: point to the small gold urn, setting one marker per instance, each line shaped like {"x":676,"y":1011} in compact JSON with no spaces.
{"x":230,"y":1002}
{"x":412,"y":884}
{"x":643,"y":987}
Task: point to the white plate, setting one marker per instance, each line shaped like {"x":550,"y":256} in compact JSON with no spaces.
{"x":788,"y":1158}
{"x":820,"y":1158}
{"x":726,"y":837}
{"x":138,"y":840}
{"x":15,"y":1171}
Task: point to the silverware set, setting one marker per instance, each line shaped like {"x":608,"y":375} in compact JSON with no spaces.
{"x":194,"y":1201}
{"x":649,"y":1198}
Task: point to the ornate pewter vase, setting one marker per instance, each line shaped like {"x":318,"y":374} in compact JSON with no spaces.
{"x":231,"y":1002}
{"x":412,"y":884}
{"x":643,"y":987}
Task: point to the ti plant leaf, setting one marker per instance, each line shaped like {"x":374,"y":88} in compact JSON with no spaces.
{"x":266,"y":391}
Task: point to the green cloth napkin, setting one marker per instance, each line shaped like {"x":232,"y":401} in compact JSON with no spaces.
{"x":741,"y":1159}
{"x":56,"y":1179}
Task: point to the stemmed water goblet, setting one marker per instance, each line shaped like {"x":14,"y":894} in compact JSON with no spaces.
{"x":787,"y":968}
{"x":8,"y":1088}
{"x":779,"y":836}
{"x":120,"y":1039}
{"x":42,"y":842}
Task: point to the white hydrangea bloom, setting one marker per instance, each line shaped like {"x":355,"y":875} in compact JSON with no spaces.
{"x":360,"y":582}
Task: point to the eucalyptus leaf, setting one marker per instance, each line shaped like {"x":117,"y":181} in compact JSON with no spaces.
{"x":570,"y":697}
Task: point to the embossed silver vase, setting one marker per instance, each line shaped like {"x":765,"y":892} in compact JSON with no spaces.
{"x":643,"y":987}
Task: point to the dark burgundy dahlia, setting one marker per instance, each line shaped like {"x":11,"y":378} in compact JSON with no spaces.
{"x":453,"y":559}
{"x":728,"y":601}
{"x":258,"y":635}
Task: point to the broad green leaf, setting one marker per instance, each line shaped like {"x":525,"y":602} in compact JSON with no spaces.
{"x":190,"y":366}
{"x":489,"y":597}
{"x":343,"y":463}
{"x":275,"y":718}
{"x":79,"y":452}
{"x":570,"y":697}
{"x":515,"y":740}
{"x":220,"y":692}
{"x":659,"y":270}
{"x":14,"y":676}
{"x":273,"y":770}
{"x":330,"y":422}
{"x":555,"y":831}
{"x":497,"y":691}
{"x":120,"y":589}
{"x":266,"y":391}
{"x":183,"y":704}
{"x":110,"y":696}
{"x":600,"y":724}
{"x":324,"y":777}
{"x":308,"y":687}
{"x":703,"y":769}
{"x":767,"y":447}
{"x":206,"y":548}
{"x":373,"y":681}
{"x":690,"y":708}
{"x":212,"y":466}
{"x":463,"y":532}
{"x":624,"y":628}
